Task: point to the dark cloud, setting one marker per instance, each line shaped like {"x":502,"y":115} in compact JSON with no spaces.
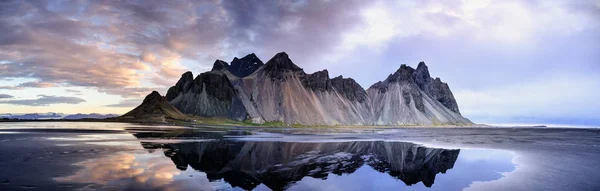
{"x":130,"y":48}
{"x":5,"y":96}
{"x":308,"y":30}
{"x":45,"y":100}
{"x":100,"y":44}
{"x":68,"y":47}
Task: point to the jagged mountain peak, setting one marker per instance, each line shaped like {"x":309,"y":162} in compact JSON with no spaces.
{"x":281,"y":54}
{"x":219,"y":65}
{"x":403,"y":74}
{"x":242,"y":67}
{"x":421,"y":65}
{"x":419,"y":79}
{"x":279,"y":64}
{"x":183,"y":84}
{"x":282,"y":60}
{"x":324,"y":72}
{"x":250,"y":56}
{"x":349,"y":89}
{"x":422,"y":70}
{"x":318,"y":81}
{"x":422,"y":77}
{"x":186,"y":77}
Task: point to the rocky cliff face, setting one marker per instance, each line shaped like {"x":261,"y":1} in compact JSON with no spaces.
{"x":281,"y":91}
{"x":210,"y":94}
{"x":240,"y":67}
{"x":437,"y":89}
{"x":278,"y":165}
{"x":412,"y":97}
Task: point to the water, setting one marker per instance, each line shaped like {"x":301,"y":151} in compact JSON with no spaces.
{"x":237,"y":165}
{"x":117,"y":156}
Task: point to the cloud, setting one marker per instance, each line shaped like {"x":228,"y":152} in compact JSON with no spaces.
{"x":76,"y":92}
{"x":129,"y":92}
{"x":114,"y":44}
{"x":118,"y":44}
{"x":62,"y":46}
{"x":45,"y":100}
{"x":130,"y":48}
{"x":10,"y":88}
{"x":126,"y":103}
{"x":124,"y":168}
{"x":309,"y":31}
{"x":34,"y":84}
{"x":5,"y":96}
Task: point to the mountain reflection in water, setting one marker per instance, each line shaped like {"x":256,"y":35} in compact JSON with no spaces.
{"x":226,"y":160}
{"x":278,"y":165}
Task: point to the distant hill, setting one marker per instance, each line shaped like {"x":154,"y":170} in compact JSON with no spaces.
{"x":56,"y":116}
{"x":33,"y":116}
{"x":90,"y":116}
{"x":154,"y":108}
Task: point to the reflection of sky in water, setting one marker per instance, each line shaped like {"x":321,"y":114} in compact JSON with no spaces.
{"x":151,"y":169}
{"x":139,"y":170}
{"x":97,"y":139}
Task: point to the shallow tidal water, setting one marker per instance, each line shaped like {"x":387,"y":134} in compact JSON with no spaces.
{"x":120,"y":156}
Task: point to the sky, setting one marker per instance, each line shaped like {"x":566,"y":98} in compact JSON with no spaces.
{"x":506,"y":61}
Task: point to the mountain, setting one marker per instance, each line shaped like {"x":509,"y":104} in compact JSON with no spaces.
{"x":33,"y":116}
{"x":279,"y":90}
{"x":90,"y":116}
{"x":52,"y":115}
{"x":278,"y":165}
{"x":240,"y":67}
{"x":210,"y":94}
{"x":411,"y":96}
{"x":154,"y":108}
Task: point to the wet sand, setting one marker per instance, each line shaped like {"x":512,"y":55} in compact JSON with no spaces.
{"x":47,"y":156}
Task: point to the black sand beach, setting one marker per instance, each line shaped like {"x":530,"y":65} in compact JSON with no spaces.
{"x":121,"y":156}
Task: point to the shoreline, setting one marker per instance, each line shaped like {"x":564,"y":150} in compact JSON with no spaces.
{"x":230,"y":123}
{"x":241,"y":124}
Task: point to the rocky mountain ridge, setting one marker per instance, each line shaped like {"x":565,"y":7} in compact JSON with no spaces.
{"x":281,"y":91}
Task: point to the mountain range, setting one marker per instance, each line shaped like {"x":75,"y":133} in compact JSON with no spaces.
{"x":56,"y":116}
{"x":280,"y":91}
{"x":90,"y":116}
